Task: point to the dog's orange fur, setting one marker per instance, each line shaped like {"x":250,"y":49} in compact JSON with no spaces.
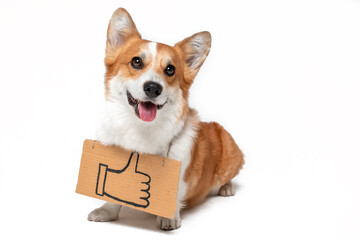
{"x":216,"y":158}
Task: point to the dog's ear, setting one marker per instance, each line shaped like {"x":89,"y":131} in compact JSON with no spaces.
{"x":121,"y":28}
{"x":194,"y":51}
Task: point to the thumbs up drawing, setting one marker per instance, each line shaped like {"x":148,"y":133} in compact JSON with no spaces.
{"x":127,"y":185}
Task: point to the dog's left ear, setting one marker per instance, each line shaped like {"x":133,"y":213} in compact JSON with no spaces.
{"x":194,"y":51}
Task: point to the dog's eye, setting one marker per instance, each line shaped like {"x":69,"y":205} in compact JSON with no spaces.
{"x":169,"y":70}
{"x":137,"y":63}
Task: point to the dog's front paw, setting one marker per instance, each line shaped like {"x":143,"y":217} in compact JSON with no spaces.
{"x":102,"y":215}
{"x":168,"y":224}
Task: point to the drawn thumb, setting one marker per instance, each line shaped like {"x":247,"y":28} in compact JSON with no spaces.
{"x":132,"y":163}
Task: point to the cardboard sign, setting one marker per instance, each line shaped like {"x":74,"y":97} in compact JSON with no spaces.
{"x":142,"y":181}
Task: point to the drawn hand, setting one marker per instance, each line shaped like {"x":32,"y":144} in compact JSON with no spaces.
{"x":115,"y":184}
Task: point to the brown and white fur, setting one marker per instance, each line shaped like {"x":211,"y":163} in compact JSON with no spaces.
{"x":209,"y":155}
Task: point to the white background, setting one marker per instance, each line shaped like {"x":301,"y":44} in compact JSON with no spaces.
{"x":283,"y":77}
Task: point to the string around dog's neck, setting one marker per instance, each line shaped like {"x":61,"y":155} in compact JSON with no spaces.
{"x":167,"y":153}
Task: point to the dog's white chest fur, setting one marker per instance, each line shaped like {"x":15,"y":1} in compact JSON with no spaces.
{"x":125,"y":130}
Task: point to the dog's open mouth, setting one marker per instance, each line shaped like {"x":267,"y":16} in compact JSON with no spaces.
{"x":146,"y":111}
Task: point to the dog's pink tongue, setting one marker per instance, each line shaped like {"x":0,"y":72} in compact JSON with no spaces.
{"x":147,"y":111}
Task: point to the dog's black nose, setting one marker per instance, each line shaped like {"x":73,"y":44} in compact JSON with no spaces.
{"x":152,"y":89}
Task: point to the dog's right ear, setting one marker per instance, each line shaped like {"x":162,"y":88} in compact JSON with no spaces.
{"x":121,"y":28}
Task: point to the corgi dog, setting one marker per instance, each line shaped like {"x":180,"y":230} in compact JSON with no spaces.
{"x":146,"y":110}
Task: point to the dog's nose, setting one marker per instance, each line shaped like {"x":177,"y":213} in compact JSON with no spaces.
{"x":152,"y":89}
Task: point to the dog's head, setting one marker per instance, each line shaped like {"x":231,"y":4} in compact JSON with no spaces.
{"x":150,"y":80}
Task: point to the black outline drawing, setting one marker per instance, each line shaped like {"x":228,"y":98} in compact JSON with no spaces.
{"x":101,"y":191}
